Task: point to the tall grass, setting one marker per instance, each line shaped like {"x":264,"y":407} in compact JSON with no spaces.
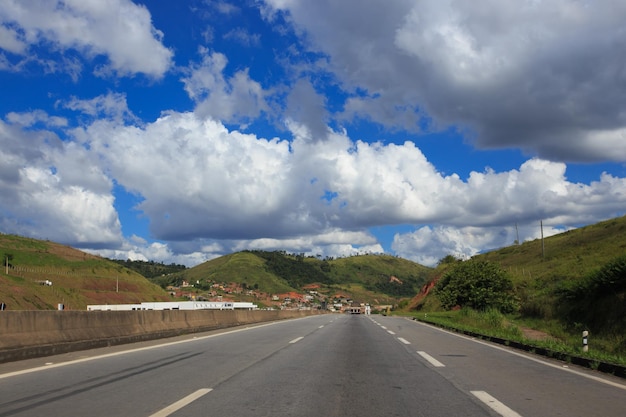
{"x":492,"y":323}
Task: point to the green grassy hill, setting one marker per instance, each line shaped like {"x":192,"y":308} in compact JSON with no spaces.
{"x":539,"y":270}
{"x":77,"y":278}
{"x":240,"y":267}
{"x":375,"y":271}
{"x":367,"y":278}
{"x":570,"y":282}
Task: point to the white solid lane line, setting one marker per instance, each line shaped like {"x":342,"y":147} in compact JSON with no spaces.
{"x":528,"y":357}
{"x":494,"y":404}
{"x":297,"y":339}
{"x":434,"y":362}
{"x":181,"y":403}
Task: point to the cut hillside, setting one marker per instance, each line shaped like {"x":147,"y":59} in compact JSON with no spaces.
{"x":40,"y":275}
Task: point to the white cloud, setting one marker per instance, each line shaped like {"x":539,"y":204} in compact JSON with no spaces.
{"x":224,"y":7}
{"x":10,"y":42}
{"x":29,"y":119}
{"x":118,"y":29}
{"x":243,"y":37}
{"x":206,"y":190}
{"x":540,"y":76}
{"x":111,"y":106}
{"x":201,"y":184}
{"x":307,"y":108}
{"x":140,"y":250}
{"x":53,"y":190}
{"x":428,"y":245}
{"x":196,"y":178}
{"x":234,"y":99}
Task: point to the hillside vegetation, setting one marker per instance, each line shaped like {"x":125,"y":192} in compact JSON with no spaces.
{"x":77,"y":278}
{"x":376,"y":279}
{"x":568,"y":283}
{"x":150,"y":269}
{"x":541,"y":272}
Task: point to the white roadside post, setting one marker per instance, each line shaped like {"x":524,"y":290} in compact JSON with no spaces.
{"x":585,"y":341}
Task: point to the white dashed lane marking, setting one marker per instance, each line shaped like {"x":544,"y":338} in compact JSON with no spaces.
{"x":434,"y":362}
{"x":494,"y":404}
{"x":170,"y":409}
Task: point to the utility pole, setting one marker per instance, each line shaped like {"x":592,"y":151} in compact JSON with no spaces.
{"x":517,"y":233}
{"x":543,"y":248}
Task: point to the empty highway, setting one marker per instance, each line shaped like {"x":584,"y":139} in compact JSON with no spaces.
{"x":327,"y":365}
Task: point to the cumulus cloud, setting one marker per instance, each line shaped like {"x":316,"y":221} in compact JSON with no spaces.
{"x":546,"y":77}
{"x":199,"y":181}
{"x":206,"y":191}
{"x":10,"y":42}
{"x":234,"y":99}
{"x":138,"y":249}
{"x":119,"y":29}
{"x":518,"y":74}
{"x":109,"y":106}
{"x":51,"y":189}
{"x":427,"y":245}
{"x":306,"y":108}
{"x":196,"y":178}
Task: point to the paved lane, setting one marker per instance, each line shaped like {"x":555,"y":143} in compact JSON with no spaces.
{"x":349,"y":368}
{"x":528,"y":384}
{"x":330,"y":365}
{"x":140,"y":382}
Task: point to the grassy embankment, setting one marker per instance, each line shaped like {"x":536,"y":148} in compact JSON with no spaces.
{"x":77,"y":278}
{"x":543,"y":275}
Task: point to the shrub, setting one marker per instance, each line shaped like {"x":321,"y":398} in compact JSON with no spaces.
{"x":480,"y":285}
{"x":597,"y":301}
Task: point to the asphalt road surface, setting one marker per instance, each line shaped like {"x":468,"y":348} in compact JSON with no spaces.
{"x":328,"y":365}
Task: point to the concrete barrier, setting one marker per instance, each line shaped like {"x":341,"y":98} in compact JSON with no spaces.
{"x":30,"y":334}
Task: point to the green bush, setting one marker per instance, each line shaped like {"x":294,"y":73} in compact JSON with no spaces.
{"x":597,"y":301}
{"x":479,"y":285}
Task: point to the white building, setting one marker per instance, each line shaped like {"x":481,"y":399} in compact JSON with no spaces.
{"x":176,"y":305}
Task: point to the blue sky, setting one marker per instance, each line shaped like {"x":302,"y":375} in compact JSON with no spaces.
{"x":185,"y":130}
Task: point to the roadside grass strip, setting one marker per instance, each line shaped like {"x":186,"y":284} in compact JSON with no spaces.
{"x":564,"y":368}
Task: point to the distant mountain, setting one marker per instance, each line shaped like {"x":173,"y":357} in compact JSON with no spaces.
{"x":150,"y":269}
{"x":40,"y":275}
{"x":375,"y":278}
